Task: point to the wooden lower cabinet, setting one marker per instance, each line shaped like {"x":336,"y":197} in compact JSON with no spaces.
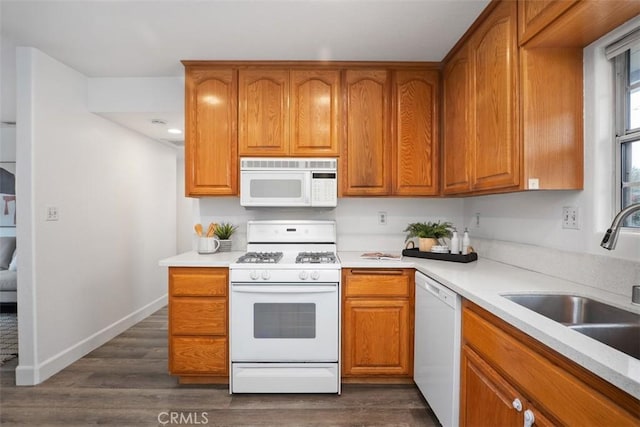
{"x":500,"y":364}
{"x":377,"y":324}
{"x":198,"y":326}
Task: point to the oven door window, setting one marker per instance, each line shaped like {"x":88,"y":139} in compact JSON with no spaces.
{"x":284,"y":320}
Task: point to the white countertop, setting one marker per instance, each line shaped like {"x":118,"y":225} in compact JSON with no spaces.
{"x":483,"y":282}
{"x":194,"y":259}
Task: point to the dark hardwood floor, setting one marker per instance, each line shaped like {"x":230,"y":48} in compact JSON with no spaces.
{"x":125,"y":383}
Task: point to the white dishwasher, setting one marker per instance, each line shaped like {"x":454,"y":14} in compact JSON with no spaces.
{"x":437,"y":348}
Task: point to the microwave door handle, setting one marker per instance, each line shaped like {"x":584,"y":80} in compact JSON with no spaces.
{"x":267,"y":289}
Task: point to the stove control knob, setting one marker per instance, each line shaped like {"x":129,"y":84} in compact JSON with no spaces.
{"x":253,"y":275}
{"x":303,"y":275}
{"x":315,"y":275}
{"x":266,"y":275}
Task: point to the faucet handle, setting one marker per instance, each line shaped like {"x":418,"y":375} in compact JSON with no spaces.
{"x":635,"y":294}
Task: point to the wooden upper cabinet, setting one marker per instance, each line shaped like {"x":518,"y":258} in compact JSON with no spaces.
{"x":496,"y":149}
{"x":571,"y":23}
{"x":366,"y":152}
{"x":457,"y":124}
{"x":315,"y":112}
{"x":289,"y":112}
{"x":416,"y":122}
{"x":535,"y":15}
{"x":264,"y":112}
{"x":211,"y":158}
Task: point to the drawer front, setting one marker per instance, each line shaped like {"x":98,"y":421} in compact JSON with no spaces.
{"x":198,"y":316}
{"x":199,"y":355}
{"x":192,"y":281}
{"x":366,"y":282}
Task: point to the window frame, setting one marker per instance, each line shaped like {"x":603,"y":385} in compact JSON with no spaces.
{"x":623,"y":133}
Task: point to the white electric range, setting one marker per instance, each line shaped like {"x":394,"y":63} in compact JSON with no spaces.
{"x":285,"y":309}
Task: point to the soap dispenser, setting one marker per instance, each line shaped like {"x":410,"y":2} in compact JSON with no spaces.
{"x":466,"y":242}
{"x":455,"y":242}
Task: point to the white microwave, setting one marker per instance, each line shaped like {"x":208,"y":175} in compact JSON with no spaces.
{"x":274,"y":182}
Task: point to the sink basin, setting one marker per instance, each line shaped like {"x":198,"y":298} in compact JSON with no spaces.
{"x":622,"y":337}
{"x":610,"y":325}
{"x":572,"y":309}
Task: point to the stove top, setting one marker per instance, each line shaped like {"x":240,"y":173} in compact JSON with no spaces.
{"x":287,"y":252}
{"x":260,"y":258}
{"x":316,"y":258}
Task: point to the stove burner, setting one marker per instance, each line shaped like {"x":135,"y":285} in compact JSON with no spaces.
{"x":260,"y":258}
{"x":316,"y":258}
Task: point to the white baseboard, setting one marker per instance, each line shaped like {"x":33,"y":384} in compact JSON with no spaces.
{"x":32,"y":375}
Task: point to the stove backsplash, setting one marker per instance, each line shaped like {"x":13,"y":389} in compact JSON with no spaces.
{"x":357,"y":219}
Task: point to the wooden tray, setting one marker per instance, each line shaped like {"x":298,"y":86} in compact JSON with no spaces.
{"x":415,"y":252}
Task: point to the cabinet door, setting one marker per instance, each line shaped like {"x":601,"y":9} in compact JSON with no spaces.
{"x":486,"y":399}
{"x":416,"y":133}
{"x":458,"y":124}
{"x":496,"y":150}
{"x":377,"y":337}
{"x":211,"y":156}
{"x":264,"y":112}
{"x":315,"y":112}
{"x":366,"y":166}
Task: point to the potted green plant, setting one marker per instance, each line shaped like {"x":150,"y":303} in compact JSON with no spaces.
{"x":428,"y":233}
{"x":224,"y":231}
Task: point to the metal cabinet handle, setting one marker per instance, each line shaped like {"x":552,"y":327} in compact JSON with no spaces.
{"x":529,"y":418}
{"x":517,"y":405}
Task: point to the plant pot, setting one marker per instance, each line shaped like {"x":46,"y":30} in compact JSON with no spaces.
{"x":424,"y":244}
{"x":225,"y":245}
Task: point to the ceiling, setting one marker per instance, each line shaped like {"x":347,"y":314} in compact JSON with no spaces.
{"x":120,"y":38}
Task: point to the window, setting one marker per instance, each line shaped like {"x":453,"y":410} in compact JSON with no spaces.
{"x":625,"y":54}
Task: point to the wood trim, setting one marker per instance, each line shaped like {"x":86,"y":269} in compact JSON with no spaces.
{"x":316,"y":64}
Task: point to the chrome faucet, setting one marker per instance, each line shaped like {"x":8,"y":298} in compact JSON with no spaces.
{"x":611,"y":236}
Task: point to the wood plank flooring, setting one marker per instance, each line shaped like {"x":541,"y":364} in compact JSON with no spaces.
{"x":125,"y":383}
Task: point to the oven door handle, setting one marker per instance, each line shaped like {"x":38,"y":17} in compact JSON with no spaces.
{"x":268,"y":289}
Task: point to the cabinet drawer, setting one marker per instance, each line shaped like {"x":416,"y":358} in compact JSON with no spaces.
{"x":198,"y":316}
{"x":377,"y":282}
{"x":199,"y":355}
{"x":191,"y":281}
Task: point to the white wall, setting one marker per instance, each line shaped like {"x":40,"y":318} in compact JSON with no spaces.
{"x":357,"y":218}
{"x":94,"y":273}
{"x":535,"y":217}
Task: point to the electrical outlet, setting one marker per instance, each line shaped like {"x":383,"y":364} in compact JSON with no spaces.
{"x":570,"y":217}
{"x":382,"y":218}
{"x":477,"y":219}
{"x":52,"y":213}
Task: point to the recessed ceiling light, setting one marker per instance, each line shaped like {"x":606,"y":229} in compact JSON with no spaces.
{"x":174,"y":131}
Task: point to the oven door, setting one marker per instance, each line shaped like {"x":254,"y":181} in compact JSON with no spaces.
{"x":283,"y":322}
{"x":275,"y":188}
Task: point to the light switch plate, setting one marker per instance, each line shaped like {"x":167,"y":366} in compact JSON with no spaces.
{"x":570,"y":217}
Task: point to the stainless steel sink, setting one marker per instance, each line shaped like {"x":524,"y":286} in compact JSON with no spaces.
{"x":572,"y":309}
{"x":610,"y":325}
{"x":623,"y":337}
